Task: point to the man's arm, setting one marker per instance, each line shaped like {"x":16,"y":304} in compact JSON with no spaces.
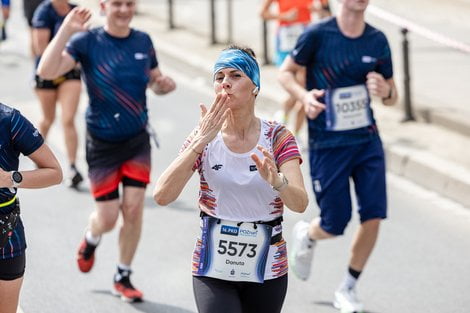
{"x":383,"y":88}
{"x":159,"y":83}
{"x":40,"y":37}
{"x":287,"y":74}
{"x":287,"y":77}
{"x":55,"y":60}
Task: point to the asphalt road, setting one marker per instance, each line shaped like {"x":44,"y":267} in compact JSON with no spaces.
{"x":421,"y":262}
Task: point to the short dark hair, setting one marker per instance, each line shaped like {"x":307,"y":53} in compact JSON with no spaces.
{"x":245,"y":49}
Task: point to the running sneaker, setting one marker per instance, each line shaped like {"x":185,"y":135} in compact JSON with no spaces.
{"x":123,"y":288}
{"x":346,"y":301}
{"x":75,"y":178}
{"x":85,"y":256}
{"x":301,"y":251}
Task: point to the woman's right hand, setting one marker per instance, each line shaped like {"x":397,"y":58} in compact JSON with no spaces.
{"x":76,"y":20}
{"x":211,"y":120}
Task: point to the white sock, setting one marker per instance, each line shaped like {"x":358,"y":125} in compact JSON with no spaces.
{"x":124,"y":267}
{"x":349,"y":282}
{"x":92,"y":239}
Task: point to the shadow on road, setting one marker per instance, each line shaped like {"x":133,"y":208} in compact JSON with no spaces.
{"x":330,"y":304}
{"x":147,"y":306}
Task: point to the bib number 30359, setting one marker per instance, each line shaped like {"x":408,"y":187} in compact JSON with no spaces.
{"x":347,"y":108}
{"x":234,"y":251}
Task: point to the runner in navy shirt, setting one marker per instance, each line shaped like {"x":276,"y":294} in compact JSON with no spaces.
{"x":119,"y":64}
{"x":5,"y":5}
{"x":347,"y":62}
{"x":18,"y":136}
{"x":64,"y":89}
{"x":29,"y":6}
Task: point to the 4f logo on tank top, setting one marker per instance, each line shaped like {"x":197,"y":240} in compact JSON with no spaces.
{"x":217,"y":167}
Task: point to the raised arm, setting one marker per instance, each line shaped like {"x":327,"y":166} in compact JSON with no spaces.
{"x":55,"y":60}
{"x":292,"y":188}
{"x":176,"y":176}
{"x":170,"y":184}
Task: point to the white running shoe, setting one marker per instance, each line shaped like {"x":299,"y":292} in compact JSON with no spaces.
{"x":301,"y":253}
{"x":346,"y":301}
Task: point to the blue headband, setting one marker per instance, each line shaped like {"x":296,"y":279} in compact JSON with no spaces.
{"x":240,"y":60}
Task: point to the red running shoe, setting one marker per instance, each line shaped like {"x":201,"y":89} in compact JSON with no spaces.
{"x":85,"y":256}
{"x":124,"y":289}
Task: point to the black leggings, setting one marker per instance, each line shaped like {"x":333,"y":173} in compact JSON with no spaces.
{"x":215,"y":295}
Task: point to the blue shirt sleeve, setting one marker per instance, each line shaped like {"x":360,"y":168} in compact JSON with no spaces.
{"x":305,"y":48}
{"x":152,"y":55}
{"x":41,"y":17}
{"x":77,"y":45}
{"x":384,"y":64}
{"x":24,"y":136}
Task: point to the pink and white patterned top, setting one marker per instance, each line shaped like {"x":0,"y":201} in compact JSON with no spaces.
{"x":232,"y":189}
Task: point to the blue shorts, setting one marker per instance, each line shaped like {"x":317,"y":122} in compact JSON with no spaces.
{"x":331,"y":170}
{"x":280,"y":56}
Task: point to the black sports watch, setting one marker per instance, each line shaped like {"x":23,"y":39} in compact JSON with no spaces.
{"x":16,"y":178}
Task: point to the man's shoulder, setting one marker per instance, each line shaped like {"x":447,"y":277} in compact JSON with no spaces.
{"x":374,"y":31}
{"x":6,"y":110}
{"x":45,"y":10}
{"x":6,"y":114}
{"x":47,"y":4}
{"x":88,"y":34}
{"x":140,"y":35}
{"x":46,"y":7}
{"x":325,"y":25}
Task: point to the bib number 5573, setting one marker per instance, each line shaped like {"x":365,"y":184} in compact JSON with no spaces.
{"x":234,"y":248}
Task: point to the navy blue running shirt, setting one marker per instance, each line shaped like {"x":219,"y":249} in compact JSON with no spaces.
{"x":17,"y":135}
{"x":46,"y":16}
{"x":333,"y":60}
{"x":116,"y":72}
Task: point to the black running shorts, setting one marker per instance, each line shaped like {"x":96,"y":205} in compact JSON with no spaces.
{"x":11,"y":269}
{"x":54,"y":84}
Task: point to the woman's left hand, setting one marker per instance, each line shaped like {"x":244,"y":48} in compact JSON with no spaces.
{"x":267,"y":167}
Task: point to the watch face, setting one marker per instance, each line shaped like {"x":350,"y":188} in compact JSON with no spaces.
{"x":17,"y":177}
